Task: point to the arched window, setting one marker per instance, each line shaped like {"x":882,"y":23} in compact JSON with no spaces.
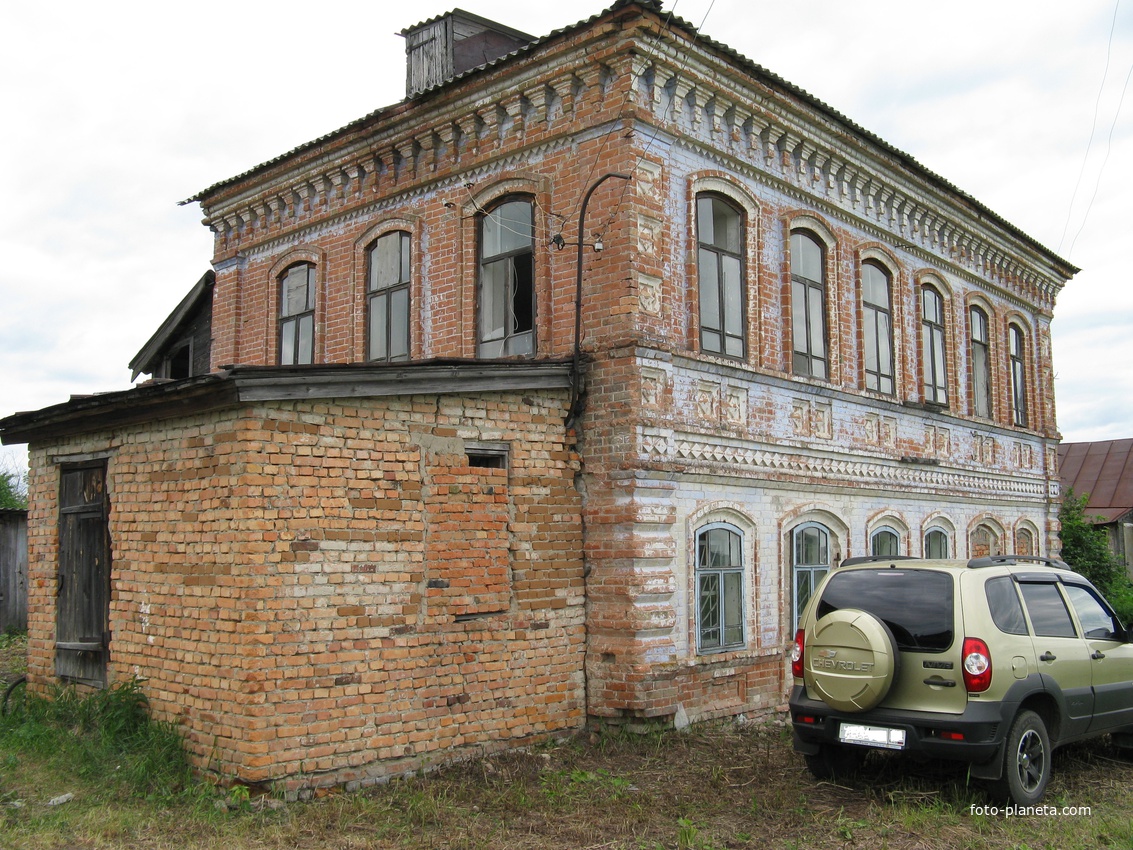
{"x":507,"y":280}
{"x":719,"y":229}
{"x":984,"y":542}
{"x":808,"y":306}
{"x":937,"y":544}
{"x":387,"y":299}
{"x":810,"y":564}
{"x":1024,"y":542}
{"x":1018,"y":376}
{"x":297,"y":315}
{"x":878,"y":318}
{"x":884,"y":543}
{"x":719,"y":588}
{"x":981,"y":364}
{"x":933,"y":359}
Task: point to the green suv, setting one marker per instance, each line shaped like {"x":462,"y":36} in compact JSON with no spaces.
{"x":994,"y":662}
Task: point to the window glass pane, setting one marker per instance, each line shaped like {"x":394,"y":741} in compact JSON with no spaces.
{"x":399,"y":324}
{"x":1096,"y":621}
{"x":1003,"y":602}
{"x":811,"y":547}
{"x":1048,"y":612}
{"x":875,"y":286}
{"x":287,"y":343}
{"x":885,"y":543}
{"x":493,"y":300}
{"x":733,"y":295}
{"x":305,"y":351}
{"x":871,"y":320}
{"x":806,"y":257}
{"x":727,"y":227}
{"x":798,"y":320}
{"x":709,"y":292}
{"x":705,"y":221}
{"x":298,"y":291}
{"x":981,"y":380}
{"x":733,"y":608}
{"x":918,"y":607}
{"x":507,"y":228}
{"x":936,"y":544}
{"x":817,"y":325}
{"x":378,"y":342}
{"x":709,"y":611}
{"x":386,"y":261}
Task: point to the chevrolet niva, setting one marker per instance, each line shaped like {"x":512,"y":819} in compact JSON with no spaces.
{"x":994,"y":662}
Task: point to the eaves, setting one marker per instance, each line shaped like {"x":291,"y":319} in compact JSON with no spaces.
{"x":156,"y":400}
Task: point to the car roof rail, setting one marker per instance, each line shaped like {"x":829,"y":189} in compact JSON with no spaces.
{"x":1011,"y":560}
{"x":876,"y":559}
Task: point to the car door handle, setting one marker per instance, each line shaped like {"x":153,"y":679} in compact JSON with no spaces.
{"x":1048,"y":656}
{"x":940,"y":682}
{"x":1097,"y":654}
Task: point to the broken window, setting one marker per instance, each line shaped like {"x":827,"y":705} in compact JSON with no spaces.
{"x":388,"y":273}
{"x":507,"y":280}
{"x":933,"y":359}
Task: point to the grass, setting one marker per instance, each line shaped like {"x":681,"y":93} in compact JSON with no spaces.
{"x":711,"y":787}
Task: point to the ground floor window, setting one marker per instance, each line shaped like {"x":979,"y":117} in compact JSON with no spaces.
{"x":885,"y":543}
{"x":719,"y":588}
{"x":936,"y":544}
{"x":810,"y":565}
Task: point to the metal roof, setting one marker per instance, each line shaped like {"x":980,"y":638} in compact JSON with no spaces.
{"x":1104,"y":470}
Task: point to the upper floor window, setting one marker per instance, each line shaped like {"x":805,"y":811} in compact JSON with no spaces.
{"x":719,"y":588}
{"x":507,"y":280}
{"x":885,"y":543}
{"x":387,"y":298}
{"x":719,"y":228}
{"x":1018,"y":376}
{"x":808,"y":306}
{"x":297,"y":315}
{"x":933,"y":360}
{"x":878,"y":319}
{"x":981,"y":364}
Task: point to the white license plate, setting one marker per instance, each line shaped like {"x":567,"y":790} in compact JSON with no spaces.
{"x":873,"y":736}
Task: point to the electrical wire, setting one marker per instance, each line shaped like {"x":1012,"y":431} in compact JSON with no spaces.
{"x":1093,"y":126}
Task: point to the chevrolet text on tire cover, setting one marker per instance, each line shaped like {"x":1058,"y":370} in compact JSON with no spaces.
{"x":994,"y":662}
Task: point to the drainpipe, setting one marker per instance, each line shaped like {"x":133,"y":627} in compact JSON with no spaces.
{"x":576,"y":362}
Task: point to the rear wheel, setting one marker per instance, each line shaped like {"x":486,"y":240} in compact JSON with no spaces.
{"x":1026,"y":761}
{"x":835,"y":761}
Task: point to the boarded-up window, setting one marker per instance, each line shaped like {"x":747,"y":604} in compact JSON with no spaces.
{"x":82,"y":638}
{"x":468,"y":549}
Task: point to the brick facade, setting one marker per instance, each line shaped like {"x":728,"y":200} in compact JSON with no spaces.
{"x":298,"y":581}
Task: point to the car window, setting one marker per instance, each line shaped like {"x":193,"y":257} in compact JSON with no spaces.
{"x":1006,"y":610}
{"x":1049,"y":616}
{"x":916,"y":605}
{"x":1097,"y":622}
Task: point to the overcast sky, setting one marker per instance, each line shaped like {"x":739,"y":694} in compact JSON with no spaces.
{"x":115,"y":111}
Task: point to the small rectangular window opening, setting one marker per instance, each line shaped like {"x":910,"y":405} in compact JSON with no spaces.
{"x":487,"y":455}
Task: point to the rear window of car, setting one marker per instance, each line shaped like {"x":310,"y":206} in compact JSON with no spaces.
{"x":916,"y":605}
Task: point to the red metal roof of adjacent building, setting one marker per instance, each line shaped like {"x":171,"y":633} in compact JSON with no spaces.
{"x":1104,"y":470}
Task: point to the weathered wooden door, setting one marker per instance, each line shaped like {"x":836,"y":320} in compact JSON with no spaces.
{"x":82,"y":636}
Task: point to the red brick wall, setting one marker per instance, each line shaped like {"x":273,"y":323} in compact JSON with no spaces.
{"x":328,"y":592}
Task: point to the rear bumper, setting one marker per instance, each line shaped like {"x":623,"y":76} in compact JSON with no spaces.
{"x":974,"y":736}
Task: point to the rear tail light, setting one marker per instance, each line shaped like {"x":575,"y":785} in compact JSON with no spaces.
{"x":797,"y":654}
{"x":977,"y":665}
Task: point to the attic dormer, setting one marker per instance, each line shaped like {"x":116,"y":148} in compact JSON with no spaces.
{"x":444,"y":47}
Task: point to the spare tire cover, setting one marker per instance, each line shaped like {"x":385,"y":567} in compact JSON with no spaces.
{"x":850,"y":660}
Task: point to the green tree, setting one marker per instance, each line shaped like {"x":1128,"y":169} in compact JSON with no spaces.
{"x":12,"y":492}
{"x":1085,"y":547}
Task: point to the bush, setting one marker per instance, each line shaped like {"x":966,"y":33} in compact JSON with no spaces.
{"x":1085,"y":547}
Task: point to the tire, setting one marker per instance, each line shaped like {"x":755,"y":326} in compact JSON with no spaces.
{"x":835,"y":761}
{"x":850,"y":660}
{"x":1026,"y":761}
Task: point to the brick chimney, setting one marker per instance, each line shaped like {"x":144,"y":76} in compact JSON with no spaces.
{"x":447,"y":46}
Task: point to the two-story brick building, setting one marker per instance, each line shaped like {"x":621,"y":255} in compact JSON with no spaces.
{"x":547,"y":393}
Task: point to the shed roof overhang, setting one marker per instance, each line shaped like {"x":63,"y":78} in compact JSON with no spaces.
{"x":243,"y":384}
